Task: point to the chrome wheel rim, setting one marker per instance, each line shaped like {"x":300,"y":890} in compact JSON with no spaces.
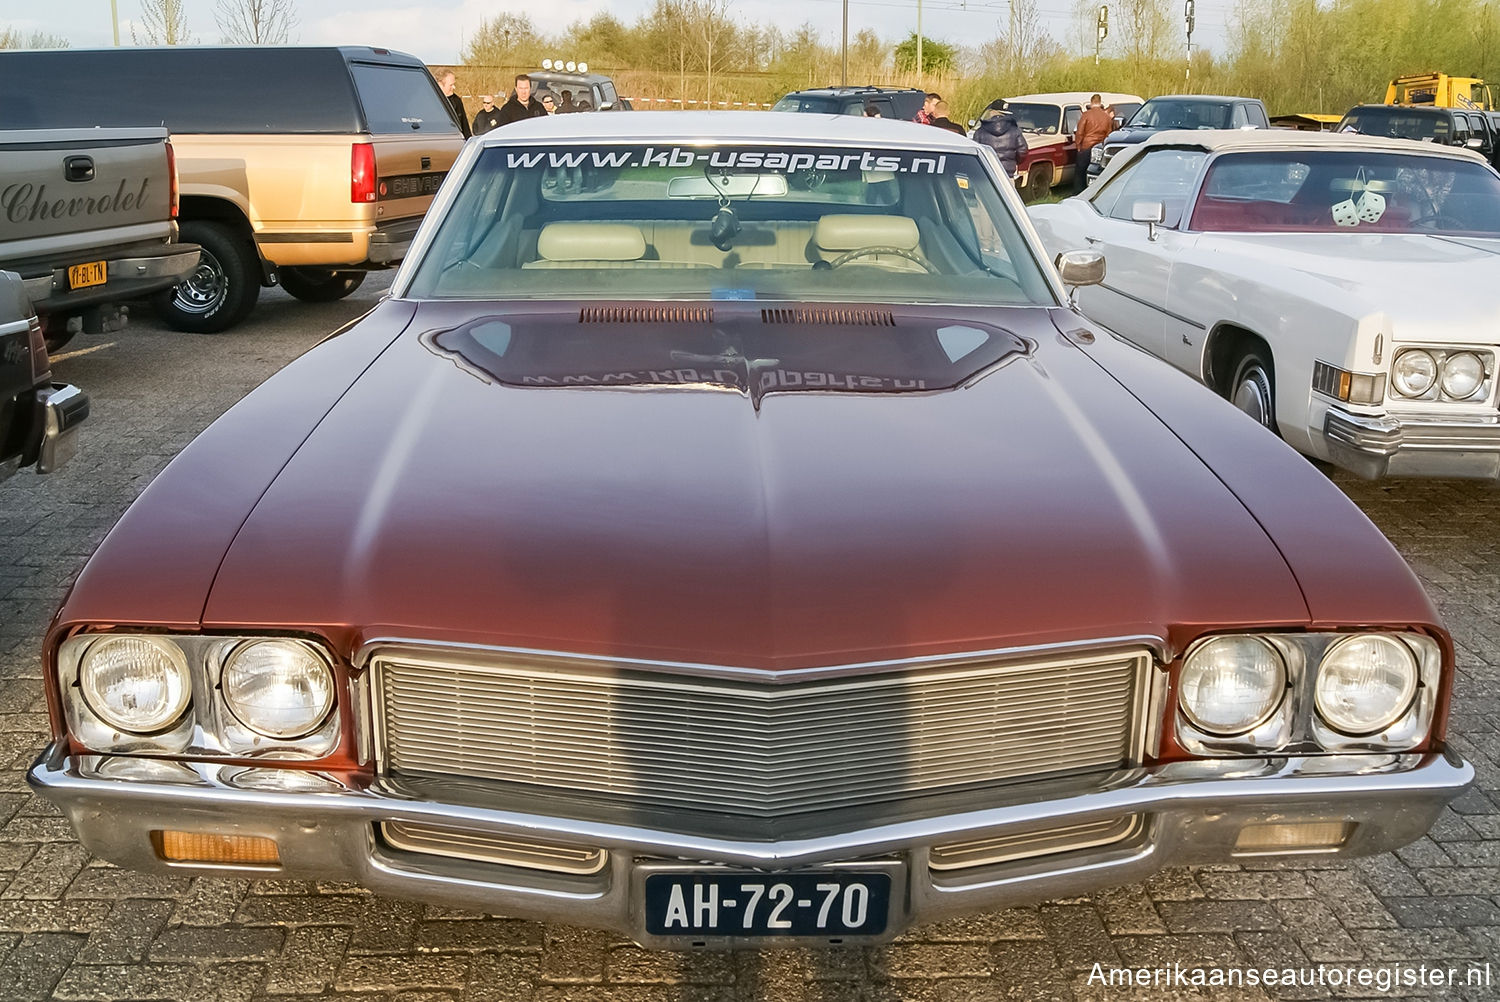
{"x":204,"y":289}
{"x":1252,"y":397}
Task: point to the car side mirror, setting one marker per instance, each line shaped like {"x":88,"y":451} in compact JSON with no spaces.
{"x":607,"y":105}
{"x":1475,"y":143}
{"x":1150,"y":213}
{"x":1078,"y":268}
{"x":1119,"y":121}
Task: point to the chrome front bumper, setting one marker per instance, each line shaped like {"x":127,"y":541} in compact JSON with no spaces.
{"x":1192,"y":812}
{"x":1465,"y":447}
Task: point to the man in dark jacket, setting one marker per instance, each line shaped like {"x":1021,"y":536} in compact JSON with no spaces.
{"x":942,"y":121}
{"x":521,"y":105}
{"x":448,"y":84}
{"x":488,"y":117}
{"x":998,"y":130}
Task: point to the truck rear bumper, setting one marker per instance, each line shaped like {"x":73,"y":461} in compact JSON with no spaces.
{"x":129,"y":276}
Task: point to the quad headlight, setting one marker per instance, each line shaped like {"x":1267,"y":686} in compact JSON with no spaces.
{"x":1443,"y":374}
{"x":1366,"y":683}
{"x":279,"y":688}
{"x":137,"y":684}
{"x":1414,"y":372}
{"x":1231,"y":684}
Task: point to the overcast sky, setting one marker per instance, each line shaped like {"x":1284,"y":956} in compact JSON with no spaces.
{"x":434,"y":31}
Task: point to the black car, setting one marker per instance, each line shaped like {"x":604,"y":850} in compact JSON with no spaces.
{"x":587,"y":91}
{"x":1180,"y":111}
{"x":39,"y":419}
{"x":901,"y":103}
{"x":1472,"y":129}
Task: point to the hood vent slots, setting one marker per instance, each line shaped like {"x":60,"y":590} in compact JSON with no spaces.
{"x":646,"y":315}
{"x":827,"y":317}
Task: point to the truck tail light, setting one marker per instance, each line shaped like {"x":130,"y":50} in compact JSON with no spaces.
{"x":362,"y":173}
{"x":173,"y":191}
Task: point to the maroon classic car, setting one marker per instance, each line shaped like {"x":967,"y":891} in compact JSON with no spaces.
{"x":691,"y":551}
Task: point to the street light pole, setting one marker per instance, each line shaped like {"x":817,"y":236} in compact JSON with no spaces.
{"x":114,"y":15}
{"x":844,"y":50}
{"x":1101,"y":30}
{"x":1188,"y":10}
{"x":919,"y":41}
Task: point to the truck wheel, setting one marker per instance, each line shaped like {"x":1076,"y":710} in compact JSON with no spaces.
{"x":1039,"y":182}
{"x":1253,"y":389}
{"x":320,"y":285}
{"x":55,"y":330}
{"x":221,"y":290}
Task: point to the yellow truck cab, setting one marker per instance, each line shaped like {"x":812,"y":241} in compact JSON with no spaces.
{"x":1439,"y":90}
{"x":300,"y":166}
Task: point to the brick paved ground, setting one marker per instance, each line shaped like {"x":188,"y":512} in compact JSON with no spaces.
{"x":78,"y":929}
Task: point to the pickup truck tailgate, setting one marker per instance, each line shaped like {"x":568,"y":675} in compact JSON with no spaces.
{"x":69,"y":189}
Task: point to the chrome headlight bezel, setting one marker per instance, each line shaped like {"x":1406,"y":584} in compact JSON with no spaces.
{"x":1436,"y":389}
{"x":1269,"y":701}
{"x":207,"y":729}
{"x":1297,"y":726}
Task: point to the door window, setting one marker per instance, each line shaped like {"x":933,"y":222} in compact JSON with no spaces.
{"x":1166,"y":176}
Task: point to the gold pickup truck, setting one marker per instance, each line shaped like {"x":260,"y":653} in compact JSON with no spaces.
{"x":301,"y":166}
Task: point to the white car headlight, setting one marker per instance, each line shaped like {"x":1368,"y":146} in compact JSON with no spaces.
{"x":1366,"y":683}
{"x":280,"y":688}
{"x":135,"y":684}
{"x":1229,"y":685}
{"x":1463,"y":374}
{"x":1414,"y":371}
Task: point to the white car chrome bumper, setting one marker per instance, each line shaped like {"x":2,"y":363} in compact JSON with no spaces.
{"x":1459,"y":447}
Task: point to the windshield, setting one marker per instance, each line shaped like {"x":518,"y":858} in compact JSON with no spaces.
{"x":1181,"y":115}
{"x":1042,"y":118}
{"x":1398,"y":123}
{"x":1311,"y":192}
{"x":811,"y":103}
{"x":729,"y":222}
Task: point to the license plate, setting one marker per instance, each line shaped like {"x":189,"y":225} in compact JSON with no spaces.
{"x":81,"y":276}
{"x":829,"y":904}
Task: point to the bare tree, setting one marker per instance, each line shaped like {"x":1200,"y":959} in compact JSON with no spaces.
{"x":1022,"y":37}
{"x":163,"y":22}
{"x":256,"y":22}
{"x":711,"y":28}
{"x":1145,"y":27}
{"x":11,"y":38}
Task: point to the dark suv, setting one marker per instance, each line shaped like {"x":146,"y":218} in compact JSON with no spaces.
{"x":1444,"y":126}
{"x":900,"y":103}
{"x":1180,"y":111}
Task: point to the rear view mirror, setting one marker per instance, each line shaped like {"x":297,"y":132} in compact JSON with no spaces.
{"x":727,"y":186}
{"x":1475,"y":143}
{"x":1078,"y":268}
{"x":1150,"y":213}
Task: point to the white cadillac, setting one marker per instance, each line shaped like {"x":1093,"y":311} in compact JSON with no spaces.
{"x":1342,"y":290}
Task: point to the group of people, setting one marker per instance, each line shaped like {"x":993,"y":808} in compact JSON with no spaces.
{"x":522,"y":104}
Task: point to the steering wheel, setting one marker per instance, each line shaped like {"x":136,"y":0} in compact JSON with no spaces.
{"x":859,"y":252}
{"x":1441,"y":219}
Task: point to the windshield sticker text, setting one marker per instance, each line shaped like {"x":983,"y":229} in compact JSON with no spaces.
{"x":771,"y":160}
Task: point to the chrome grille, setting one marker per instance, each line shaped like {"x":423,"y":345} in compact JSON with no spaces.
{"x":665,"y":739}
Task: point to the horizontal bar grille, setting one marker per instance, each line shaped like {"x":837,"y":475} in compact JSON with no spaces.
{"x":442,"y":840}
{"x":677,"y":741}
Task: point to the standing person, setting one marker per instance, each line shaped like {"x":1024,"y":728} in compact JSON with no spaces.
{"x":548,"y":104}
{"x":925,"y":116}
{"x":998,"y":130}
{"x":522,"y":105}
{"x":942,"y":121}
{"x":487,"y":117}
{"x":871,"y":111}
{"x":566,"y":107}
{"x":448,"y":83}
{"x":1093,"y":127}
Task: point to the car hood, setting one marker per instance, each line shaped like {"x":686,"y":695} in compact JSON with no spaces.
{"x":1038,"y":504}
{"x":1392,"y":273}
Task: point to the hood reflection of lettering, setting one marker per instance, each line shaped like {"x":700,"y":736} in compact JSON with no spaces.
{"x":738,"y":350}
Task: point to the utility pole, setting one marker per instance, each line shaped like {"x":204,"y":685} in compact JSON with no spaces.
{"x":919,"y":41}
{"x":1188,"y":8}
{"x":1102,"y":31}
{"x":844,"y":50}
{"x":114,"y":15}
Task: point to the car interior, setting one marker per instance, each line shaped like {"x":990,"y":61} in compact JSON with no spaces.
{"x":819,"y":234}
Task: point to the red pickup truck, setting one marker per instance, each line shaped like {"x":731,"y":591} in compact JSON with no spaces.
{"x":1049,"y":121}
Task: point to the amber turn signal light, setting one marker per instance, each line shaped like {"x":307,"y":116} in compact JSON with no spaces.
{"x":207,"y":847}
